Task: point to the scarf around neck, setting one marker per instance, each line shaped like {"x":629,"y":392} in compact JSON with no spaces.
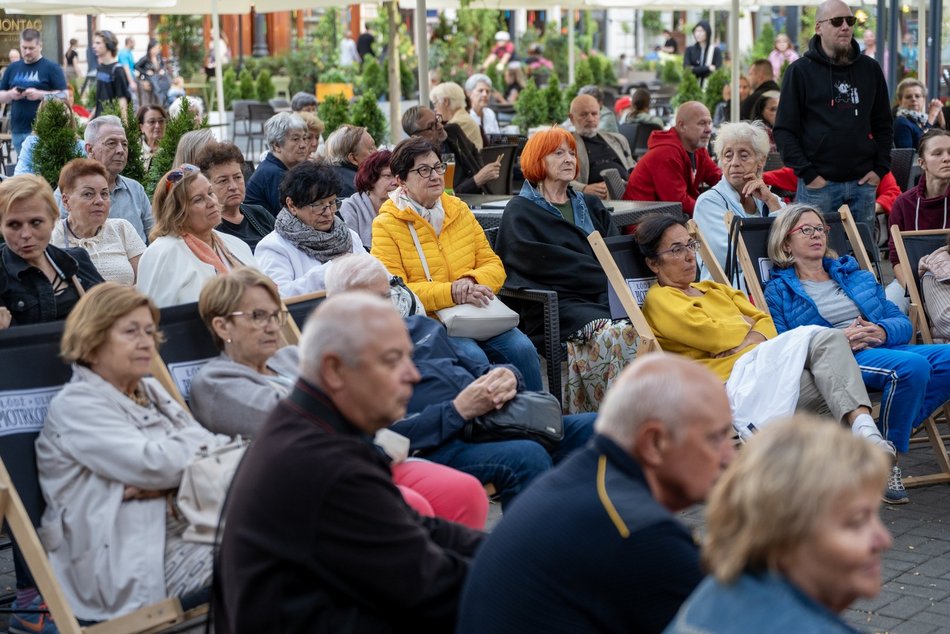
{"x":435,"y":215}
{"x":320,"y":245}
{"x":920,"y":118}
{"x":217,"y":256}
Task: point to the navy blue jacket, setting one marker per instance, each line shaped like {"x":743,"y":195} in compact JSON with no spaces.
{"x":585,"y":548}
{"x":28,"y":294}
{"x":791,"y":306}
{"x":263,"y":187}
{"x":432,"y":418}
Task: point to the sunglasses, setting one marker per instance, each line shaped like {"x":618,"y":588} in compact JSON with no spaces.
{"x":176,"y":175}
{"x":841,"y":19}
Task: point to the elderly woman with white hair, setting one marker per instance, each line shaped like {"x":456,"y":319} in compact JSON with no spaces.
{"x":346,"y":148}
{"x":479,"y":89}
{"x":793,"y":534}
{"x":289,"y":142}
{"x":194,"y":105}
{"x":448,"y":101}
{"x":742,"y":149}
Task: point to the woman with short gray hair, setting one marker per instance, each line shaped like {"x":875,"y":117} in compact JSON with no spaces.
{"x":303,"y":102}
{"x":741,"y":148}
{"x":289,"y":142}
{"x":448,"y":100}
{"x":479,"y":89}
{"x":347,"y":147}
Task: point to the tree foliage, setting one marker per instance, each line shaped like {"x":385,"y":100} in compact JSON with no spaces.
{"x":672,"y":71}
{"x":334,"y":111}
{"x":165,"y":155}
{"x":56,"y":140}
{"x":372,"y":79}
{"x":714,"y":85}
{"x":265,"y":86}
{"x":688,"y":90}
{"x":366,"y":113}
{"x":531,"y":108}
{"x":246,"y":86}
{"x":554,"y":100}
{"x":231,"y":90}
{"x":182,"y":32}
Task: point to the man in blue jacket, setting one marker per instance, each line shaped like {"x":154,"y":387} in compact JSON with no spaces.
{"x":834,"y":125}
{"x":455,"y":387}
{"x":594,"y":545}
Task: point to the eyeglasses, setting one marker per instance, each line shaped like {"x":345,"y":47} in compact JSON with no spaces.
{"x":260,"y":318}
{"x":679,"y":250}
{"x":432,"y":126}
{"x":841,"y":19}
{"x":176,"y":175}
{"x":333,"y":206}
{"x":425,"y":171}
{"x":809,"y":230}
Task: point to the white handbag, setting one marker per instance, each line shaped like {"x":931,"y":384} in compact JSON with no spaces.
{"x":204,"y":487}
{"x":467,"y":320}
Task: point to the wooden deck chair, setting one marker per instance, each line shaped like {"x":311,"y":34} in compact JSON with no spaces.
{"x":633,"y":278}
{"x":712,"y":264}
{"x":188,"y":346}
{"x":300,"y":307}
{"x":33,"y":373}
{"x":910,"y":247}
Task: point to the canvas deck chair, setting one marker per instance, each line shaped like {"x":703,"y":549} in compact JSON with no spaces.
{"x":32,"y":374}
{"x":300,"y":307}
{"x":748,"y":249}
{"x":188,"y":346}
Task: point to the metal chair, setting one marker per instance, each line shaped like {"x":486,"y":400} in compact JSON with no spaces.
{"x":502,"y":185}
{"x":279,"y":104}
{"x":904,"y":167}
{"x":242,"y":116}
{"x":773,"y":162}
{"x":259,"y":113}
{"x":616,"y":186}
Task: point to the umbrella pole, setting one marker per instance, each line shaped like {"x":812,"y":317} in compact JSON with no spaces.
{"x":395,"y":96}
{"x":570,"y":47}
{"x":734,"y":54}
{"x":218,"y":61}
{"x":422,"y":53}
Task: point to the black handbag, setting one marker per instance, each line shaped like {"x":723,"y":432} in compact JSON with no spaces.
{"x":528,"y":416}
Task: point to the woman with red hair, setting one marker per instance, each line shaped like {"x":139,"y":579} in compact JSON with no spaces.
{"x":374,"y":180}
{"x":543,"y":244}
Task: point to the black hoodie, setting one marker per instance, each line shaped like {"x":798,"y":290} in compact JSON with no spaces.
{"x":834,"y":120}
{"x":694,"y":56}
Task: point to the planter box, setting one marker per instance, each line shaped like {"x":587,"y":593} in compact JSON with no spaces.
{"x":325,"y":90}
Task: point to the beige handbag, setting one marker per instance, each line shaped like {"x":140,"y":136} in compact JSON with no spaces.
{"x":204,"y":487}
{"x":466,"y":320}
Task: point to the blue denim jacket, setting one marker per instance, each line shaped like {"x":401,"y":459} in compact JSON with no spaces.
{"x":761,"y":603}
{"x":581,"y":213}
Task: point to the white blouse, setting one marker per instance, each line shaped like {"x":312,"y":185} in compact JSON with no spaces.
{"x":110,"y":249}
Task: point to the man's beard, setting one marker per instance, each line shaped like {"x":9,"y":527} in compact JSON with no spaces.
{"x":842,"y":54}
{"x":587,"y":133}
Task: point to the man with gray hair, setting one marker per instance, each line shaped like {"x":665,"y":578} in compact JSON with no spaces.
{"x":106,"y":142}
{"x":593,"y":545}
{"x":288,"y":140}
{"x":596,"y":150}
{"x":608,"y":120}
{"x":317,"y":536}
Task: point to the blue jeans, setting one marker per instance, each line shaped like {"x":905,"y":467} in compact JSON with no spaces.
{"x":512,"y":346}
{"x":859,"y":198}
{"x":17,"y":138}
{"x":511,"y":464}
{"x":915,"y":381}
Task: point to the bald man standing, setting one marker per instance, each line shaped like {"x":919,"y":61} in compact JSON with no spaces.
{"x":677,"y":161}
{"x":834,"y":125}
{"x":594,"y":545}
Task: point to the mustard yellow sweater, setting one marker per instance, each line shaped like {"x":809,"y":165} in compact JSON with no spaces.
{"x":702,"y":327}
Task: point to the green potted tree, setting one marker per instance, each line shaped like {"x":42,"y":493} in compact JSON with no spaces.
{"x":366,"y":113}
{"x":334,"y":111}
{"x":165,"y":155}
{"x":531,"y":108}
{"x":265,"y":86}
{"x":55,"y":129}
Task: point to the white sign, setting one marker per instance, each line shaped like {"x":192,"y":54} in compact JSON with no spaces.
{"x":183,"y":373}
{"x":639,"y":287}
{"x":765,"y":270}
{"x":23,"y":411}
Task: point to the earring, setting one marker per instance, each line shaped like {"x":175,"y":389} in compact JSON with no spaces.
{"x":227,"y":341}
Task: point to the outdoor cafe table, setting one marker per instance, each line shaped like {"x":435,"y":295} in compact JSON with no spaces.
{"x":489,"y":209}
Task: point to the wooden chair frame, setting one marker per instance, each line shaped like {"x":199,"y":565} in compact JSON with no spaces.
{"x":291,"y":329}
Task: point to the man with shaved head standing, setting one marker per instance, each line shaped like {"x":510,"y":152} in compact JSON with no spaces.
{"x":677,"y":161}
{"x":594,"y":545}
{"x":834,"y":125}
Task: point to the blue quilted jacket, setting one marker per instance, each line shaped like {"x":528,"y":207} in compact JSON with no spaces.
{"x":791,"y":306}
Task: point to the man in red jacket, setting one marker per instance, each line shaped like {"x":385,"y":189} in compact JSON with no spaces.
{"x":677,"y":161}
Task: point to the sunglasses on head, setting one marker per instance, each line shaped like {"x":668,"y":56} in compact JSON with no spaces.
{"x":841,"y":19}
{"x":176,"y":175}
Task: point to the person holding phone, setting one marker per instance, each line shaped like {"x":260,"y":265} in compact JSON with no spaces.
{"x":26,"y":82}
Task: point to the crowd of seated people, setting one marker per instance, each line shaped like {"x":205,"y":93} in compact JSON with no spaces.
{"x":367,"y":226}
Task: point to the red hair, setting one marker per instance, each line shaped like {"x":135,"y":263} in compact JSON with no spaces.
{"x":371,"y":169}
{"x":538,"y":147}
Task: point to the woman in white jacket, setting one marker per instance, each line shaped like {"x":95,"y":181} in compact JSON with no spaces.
{"x":110,"y":456}
{"x":184,"y":249}
{"x":308,"y":233}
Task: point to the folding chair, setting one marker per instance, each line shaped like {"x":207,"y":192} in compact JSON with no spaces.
{"x":904,"y":167}
{"x":258,"y":114}
{"x":188,"y":346}
{"x":300,"y":307}
{"x":34,"y":373}
{"x":627,"y":270}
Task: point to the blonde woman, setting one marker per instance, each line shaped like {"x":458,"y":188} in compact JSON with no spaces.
{"x":794,"y":534}
{"x":448,"y":100}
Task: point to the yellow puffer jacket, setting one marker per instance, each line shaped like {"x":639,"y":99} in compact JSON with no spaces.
{"x":461,"y":250}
